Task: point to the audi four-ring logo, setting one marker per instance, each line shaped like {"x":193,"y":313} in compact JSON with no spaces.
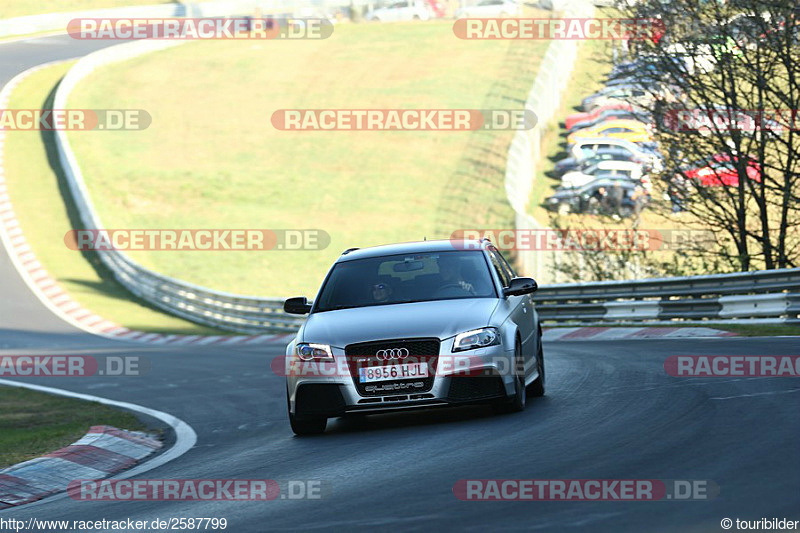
{"x":392,"y":353}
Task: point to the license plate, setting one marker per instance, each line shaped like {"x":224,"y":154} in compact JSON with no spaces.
{"x":392,"y":372}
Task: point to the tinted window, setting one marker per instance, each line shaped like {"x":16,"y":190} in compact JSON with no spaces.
{"x":506,"y":266}
{"x":406,"y":278}
{"x":505,"y":279}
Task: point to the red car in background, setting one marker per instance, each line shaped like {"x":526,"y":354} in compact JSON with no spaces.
{"x":720,"y":170}
{"x":573,"y":119}
{"x":438,"y":9}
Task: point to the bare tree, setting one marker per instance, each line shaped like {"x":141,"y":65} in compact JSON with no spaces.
{"x":727,"y":90}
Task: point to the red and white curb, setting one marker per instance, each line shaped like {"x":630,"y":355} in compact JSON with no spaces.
{"x":599,"y":333}
{"x":47,"y":289}
{"x":102,"y":452}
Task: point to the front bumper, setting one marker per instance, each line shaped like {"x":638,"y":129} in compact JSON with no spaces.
{"x":478,"y":376}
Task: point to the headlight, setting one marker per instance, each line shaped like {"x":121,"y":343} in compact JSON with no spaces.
{"x":477,"y":338}
{"x":308,"y":352}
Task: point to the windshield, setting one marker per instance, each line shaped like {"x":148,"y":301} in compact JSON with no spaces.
{"x":406,"y":278}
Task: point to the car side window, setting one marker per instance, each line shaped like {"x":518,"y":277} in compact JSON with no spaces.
{"x":504,"y":279}
{"x":506,"y":266}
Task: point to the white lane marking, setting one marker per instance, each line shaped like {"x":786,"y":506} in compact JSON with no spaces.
{"x":770,"y":393}
{"x":185,"y":436}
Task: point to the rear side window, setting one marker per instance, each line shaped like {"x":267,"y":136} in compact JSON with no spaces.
{"x":499,"y":267}
{"x":507,"y":267}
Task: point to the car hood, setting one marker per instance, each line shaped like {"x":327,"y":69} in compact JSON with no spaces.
{"x":442,"y":319}
{"x":575,"y":175}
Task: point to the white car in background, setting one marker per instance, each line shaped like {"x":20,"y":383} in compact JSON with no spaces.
{"x":616,"y":169}
{"x":403,"y":10}
{"x":490,"y":9}
{"x":584,"y":148}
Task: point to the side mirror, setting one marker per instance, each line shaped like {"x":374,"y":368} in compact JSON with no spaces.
{"x":519,"y":286}
{"x":297,"y":306}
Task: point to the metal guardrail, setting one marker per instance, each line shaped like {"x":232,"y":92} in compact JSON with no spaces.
{"x":764,"y":296}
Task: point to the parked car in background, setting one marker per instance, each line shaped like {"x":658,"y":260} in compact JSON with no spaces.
{"x":437,"y":8}
{"x":403,"y":10}
{"x":612,"y":114}
{"x":720,"y":169}
{"x":605,"y":169}
{"x":491,"y":8}
{"x":630,"y":94}
{"x":630,"y":130}
{"x":592,"y":198}
{"x":574,"y":118}
{"x":644,"y":73}
{"x":701,"y":55}
{"x":646,"y":152}
{"x":606,"y":154}
{"x":747,"y":29}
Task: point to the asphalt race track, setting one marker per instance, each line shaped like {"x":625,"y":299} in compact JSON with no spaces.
{"x":611,"y":412}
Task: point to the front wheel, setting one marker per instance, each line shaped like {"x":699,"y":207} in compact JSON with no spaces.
{"x":517,"y":403}
{"x":305,"y":425}
{"x":537,"y":387}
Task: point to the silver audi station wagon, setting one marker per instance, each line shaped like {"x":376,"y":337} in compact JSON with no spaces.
{"x":414,"y":325}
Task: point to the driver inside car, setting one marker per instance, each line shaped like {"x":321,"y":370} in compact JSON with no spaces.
{"x":381,"y":292}
{"x":450,"y":273}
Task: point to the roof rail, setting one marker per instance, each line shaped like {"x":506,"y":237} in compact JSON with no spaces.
{"x":349,"y":250}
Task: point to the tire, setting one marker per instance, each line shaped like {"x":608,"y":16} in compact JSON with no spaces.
{"x":536,"y":389}
{"x":515,"y":404}
{"x":305,"y":425}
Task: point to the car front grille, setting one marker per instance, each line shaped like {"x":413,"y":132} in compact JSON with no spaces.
{"x":364,"y":355}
